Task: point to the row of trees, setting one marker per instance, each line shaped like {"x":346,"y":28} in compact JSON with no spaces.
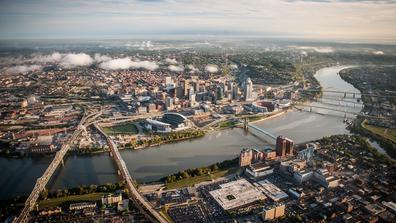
{"x":169,"y":137}
{"x":194,"y":172}
{"x":84,"y":189}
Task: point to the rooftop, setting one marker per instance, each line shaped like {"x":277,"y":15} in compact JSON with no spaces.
{"x":236,"y":194}
{"x":271,"y":190}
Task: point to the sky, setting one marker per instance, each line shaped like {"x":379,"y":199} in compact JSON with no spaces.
{"x":312,"y":19}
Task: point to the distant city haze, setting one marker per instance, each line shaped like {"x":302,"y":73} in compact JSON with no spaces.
{"x":344,"y":20}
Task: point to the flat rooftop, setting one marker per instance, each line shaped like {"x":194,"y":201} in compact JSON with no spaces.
{"x":271,"y":190}
{"x":260,"y":166}
{"x":236,"y":194}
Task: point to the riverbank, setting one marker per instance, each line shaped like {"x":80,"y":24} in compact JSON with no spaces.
{"x":275,"y":115}
{"x":253,"y":119}
{"x":388,"y":145}
{"x":191,"y":177}
{"x":376,"y":80}
{"x":168,"y":138}
{"x":62,"y":197}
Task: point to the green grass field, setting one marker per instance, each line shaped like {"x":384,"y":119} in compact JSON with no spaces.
{"x":227,"y":124}
{"x":58,"y":201}
{"x":386,"y":133}
{"x":129,"y":128}
{"x":198,"y":179}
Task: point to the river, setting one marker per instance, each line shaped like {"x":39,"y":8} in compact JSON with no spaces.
{"x":18,"y":175}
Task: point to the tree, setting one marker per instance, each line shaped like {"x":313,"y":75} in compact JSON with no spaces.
{"x":80,"y":190}
{"x":184,"y":175}
{"x":168,"y":179}
{"x":44,"y":194}
{"x":214,"y":167}
{"x":92,"y":188}
{"x":59,"y":193}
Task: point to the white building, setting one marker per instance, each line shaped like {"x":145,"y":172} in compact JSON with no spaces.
{"x":157,"y":126}
{"x":259,"y":170}
{"x":271,"y":190}
{"x":302,"y":176}
{"x":248,"y":90}
{"x":168,"y":80}
{"x":324,"y":178}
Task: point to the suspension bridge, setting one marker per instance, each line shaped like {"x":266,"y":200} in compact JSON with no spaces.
{"x":255,"y":130}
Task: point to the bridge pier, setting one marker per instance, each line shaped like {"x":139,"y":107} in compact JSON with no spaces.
{"x":62,"y":163}
{"x":344,"y":94}
{"x":245,"y":124}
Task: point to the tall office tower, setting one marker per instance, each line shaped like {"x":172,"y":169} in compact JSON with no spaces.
{"x":284,"y":146}
{"x":230,"y":86}
{"x":248,"y":90}
{"x":169,"y":103}
{"x":280,"y":146}
{"x":235,"y":92}
{"x":245,"y":157}
{"x":179,"y":92}
{"x":186,"y":87}
{"x":219,"y":93}
{"x":168,"y":80}
{"x":195,"y":85}
{"x":289,"y":146}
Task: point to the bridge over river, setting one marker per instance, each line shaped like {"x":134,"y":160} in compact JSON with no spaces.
{"x":265,"y":135}
{"x":42,"y":181}
{"x":136,"y":197}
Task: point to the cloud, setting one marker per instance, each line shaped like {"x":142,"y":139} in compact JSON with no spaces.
{"x":317,"y":49}
{"x":140,"y":45}
{"x":211,"y":68}
{"x":73,"y":60}
{"x":148,"y":65}
{"x":68,"y":60}
{"x":337,"y":20}
{"x":347,"y":1}
{"x":23,"y":68}
{"x":126,"y":63}
{"x":233,"y":66}
{"x":101,"y":58}
{"x":52,"y":58}
{"x":116,"y":64}
{"x":171,"y":61}
{"x":192,"y":68}
{"x":378,"y":52}
{"x":176,"y":68}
